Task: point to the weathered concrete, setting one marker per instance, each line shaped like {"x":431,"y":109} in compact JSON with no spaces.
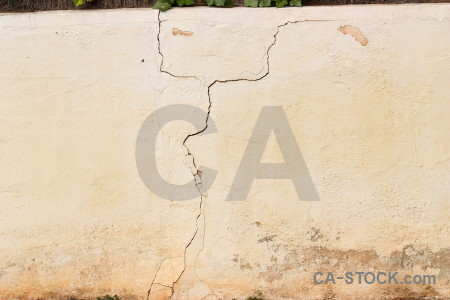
{"x":365,"y":91}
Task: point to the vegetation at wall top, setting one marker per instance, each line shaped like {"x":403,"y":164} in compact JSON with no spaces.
{"x":166,"y":4}
{"x":39,"y":5}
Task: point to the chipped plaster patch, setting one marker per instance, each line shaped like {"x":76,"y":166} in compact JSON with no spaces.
{"x":176,"y":31}
{"x":354,"y":32}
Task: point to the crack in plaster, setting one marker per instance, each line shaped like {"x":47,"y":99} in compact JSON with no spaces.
{"x":162,"y":56}
{"x":197,"y":173}
{"x":154,"y":278}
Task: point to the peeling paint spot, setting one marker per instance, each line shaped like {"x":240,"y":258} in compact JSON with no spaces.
{"x":354,"y":32}
{"x":176,"y":31}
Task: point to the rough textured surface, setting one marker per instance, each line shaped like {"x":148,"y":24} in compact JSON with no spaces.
{"x":371,"y":122}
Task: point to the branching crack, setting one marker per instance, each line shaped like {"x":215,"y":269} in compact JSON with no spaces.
{"x":154,"y":278}
{"x":197,"y":173}
{"x":162,"y":56}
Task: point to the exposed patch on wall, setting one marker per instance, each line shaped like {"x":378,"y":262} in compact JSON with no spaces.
{"x":176,"y":31}
{"x":354,"y":32}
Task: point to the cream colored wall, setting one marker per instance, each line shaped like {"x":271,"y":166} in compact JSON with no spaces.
{"x":370,"y":117}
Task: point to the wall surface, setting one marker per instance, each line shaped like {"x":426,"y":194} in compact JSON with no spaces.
{"x":352,"y":100}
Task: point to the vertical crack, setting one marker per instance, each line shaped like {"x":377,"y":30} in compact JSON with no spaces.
{"x":197,"y":173}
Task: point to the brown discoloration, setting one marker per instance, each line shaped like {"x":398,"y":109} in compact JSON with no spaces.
{"x":410,"y":260}
{"x":77,"y":295}
{"x":413,"y":292}
{"x":246,"y":266}
{"x":354,"y":32}
{"x":267,"y":239}
{"x":176,"y":31}
{"x":315,"y":234}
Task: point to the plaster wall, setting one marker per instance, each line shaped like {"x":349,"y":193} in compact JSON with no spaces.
{"x":365,"y":90}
